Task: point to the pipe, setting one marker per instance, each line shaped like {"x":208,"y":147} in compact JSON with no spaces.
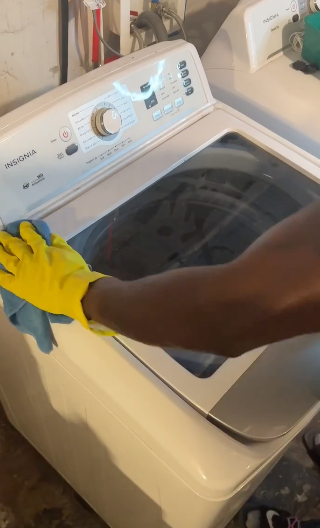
{"x":135,"y":31}
{"x":172,"y":14}
{"x":150,"y":20}
{"x":94,"y":14}
{"x":64,"y":39}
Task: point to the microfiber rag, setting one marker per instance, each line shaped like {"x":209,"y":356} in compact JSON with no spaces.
{"x":24,"y":316}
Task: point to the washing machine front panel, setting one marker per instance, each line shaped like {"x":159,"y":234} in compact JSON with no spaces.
{"x":207,"y":212}
{"x":56,"y":147}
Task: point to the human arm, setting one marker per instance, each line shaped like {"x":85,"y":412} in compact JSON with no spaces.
{"x":270,"y":293}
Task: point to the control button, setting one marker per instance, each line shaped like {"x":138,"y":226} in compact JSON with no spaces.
{"x":108,"y":121}
{"x":157,"y":115}
{"x":182,"y":65}
{"x":186,"y":83}
{"x":293,"y":6}
{"x":65,"y":133}
{"x":189,"y":91}
{"x":184,"y":74}
{"x":168,"y":108}
{"x":179,"y":102}
{"x":71,"y":149}
{"x":295,"y":18}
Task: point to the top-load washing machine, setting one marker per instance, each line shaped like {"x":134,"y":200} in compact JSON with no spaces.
{"x":249,"y":67}
{"x":143,"y":171}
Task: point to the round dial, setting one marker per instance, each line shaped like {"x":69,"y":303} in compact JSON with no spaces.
{"x":314,"y":6}
{"x":108,"y":121}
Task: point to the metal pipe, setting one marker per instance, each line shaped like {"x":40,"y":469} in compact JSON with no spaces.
{"x":135,"y":31}
{"x":172,"y":14}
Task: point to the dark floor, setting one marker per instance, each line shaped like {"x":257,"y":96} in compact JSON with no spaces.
{"x":33,"y":495}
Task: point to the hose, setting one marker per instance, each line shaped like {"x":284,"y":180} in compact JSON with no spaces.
{"x":150,"y":20}
{"x":64,"y":39}
{"x":94,"y":14}
{"x":135,"y":31}
{"x":172,"y":14}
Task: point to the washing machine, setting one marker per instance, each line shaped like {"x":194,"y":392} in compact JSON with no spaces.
{"x":249,"y":65}
{"x":142,"y":171}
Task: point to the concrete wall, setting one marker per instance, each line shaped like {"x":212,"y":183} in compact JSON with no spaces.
{"x":29,"y":61}
{"x":204,"y":18}
{"x":29,"y":58}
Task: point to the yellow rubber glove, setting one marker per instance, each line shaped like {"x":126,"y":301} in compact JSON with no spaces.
{"x":54,"y":279}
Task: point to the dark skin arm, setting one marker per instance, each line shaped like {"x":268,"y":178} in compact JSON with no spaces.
{"x":270,"y":293}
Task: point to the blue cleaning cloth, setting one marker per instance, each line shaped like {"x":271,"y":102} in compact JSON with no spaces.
{"x":24,"y":316}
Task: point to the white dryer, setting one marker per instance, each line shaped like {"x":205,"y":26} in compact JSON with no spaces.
{"x":249,"y":67}
{"x":142,"y":171}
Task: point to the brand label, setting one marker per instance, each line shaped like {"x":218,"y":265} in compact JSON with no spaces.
{"x":20,"y":159}
{"x":270,"y":18}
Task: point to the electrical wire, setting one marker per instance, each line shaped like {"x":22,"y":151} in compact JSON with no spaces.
{"x":64,"y":40}
{"x":296,"y":41}
{"x":172,"y":14}
{"x":135,"y":31}
{"x":94,"y":14}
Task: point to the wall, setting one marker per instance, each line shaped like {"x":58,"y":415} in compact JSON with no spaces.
{"x":29,"y":58}
{"x":204,"y":18}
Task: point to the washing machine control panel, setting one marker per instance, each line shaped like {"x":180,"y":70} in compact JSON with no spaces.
{"x":104,"y":120}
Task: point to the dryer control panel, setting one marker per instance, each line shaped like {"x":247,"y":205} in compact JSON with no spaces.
{"x":83,"y":132}
{"x":270,"y":24}
{"x":255,"y":33}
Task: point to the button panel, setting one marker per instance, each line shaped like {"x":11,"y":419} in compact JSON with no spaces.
{"x":182,"y":65}
{"x":157,"y":115}
{"x":65,"y":133}
{"x":60,"y":146}
{"x":189,"y":91}
{"x":72,"y":149}
{"x":179,"y":102}
{"x":293,"y":6}
{"x":184,"y":74}
{"x":168,"y":108}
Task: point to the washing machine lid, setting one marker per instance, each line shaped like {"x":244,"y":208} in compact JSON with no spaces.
{"x":207,"y":212}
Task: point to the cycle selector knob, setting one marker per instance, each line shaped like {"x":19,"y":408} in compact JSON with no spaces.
{"x":108,"y":121}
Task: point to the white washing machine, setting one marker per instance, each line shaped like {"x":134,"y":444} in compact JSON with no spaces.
{"x":249,"y":67}
{"x":142,"y":171}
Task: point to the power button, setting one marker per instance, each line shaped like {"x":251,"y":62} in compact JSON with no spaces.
{"x":65,"y":133}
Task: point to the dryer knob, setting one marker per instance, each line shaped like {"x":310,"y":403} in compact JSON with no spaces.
{"x":108,"y":121}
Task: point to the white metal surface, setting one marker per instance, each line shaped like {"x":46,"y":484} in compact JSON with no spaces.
{"x":127,"y":442}
{"x":275,"y":95}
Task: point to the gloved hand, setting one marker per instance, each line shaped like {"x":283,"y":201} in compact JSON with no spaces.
{"x":54,"y":279}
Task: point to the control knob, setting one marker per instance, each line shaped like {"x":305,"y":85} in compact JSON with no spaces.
{"x":108,"y":121}
{"x":314,"y":6}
